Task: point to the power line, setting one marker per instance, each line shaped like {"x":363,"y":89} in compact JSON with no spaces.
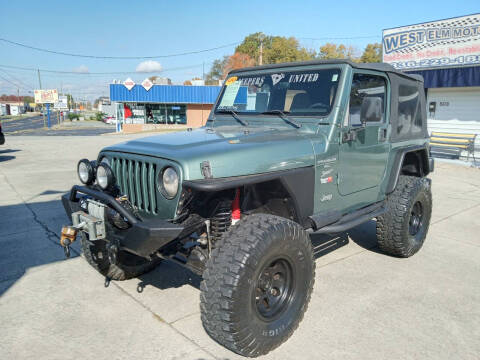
{"x":341,"y":38}
{"x":116,"y":57}
{"x":17,"y":80}
{"x":11,"y":83}
{"x":100,"y":73}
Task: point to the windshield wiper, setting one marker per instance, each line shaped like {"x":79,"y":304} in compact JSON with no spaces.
{"x":234,"y":114}
{"x":284,"y":116}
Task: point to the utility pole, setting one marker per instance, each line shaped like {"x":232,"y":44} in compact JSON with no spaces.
{"x":260,"y":58}
{"x":40,"y":84}
{"x":203,"y":71}
{"x":39,"y":80}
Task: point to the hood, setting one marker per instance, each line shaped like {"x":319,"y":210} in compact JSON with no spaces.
{"x":231,"y":151}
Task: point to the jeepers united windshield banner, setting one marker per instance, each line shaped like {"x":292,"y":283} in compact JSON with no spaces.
{"x":450,"y":42}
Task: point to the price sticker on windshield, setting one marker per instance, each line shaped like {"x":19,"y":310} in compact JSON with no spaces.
{"x":230,"y":94}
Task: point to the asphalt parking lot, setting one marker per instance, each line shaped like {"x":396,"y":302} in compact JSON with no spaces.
{"x":365,"y":305}
{"x":34,"y":126}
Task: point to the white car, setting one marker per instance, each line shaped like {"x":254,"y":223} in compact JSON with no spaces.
{"x":110,"y":120}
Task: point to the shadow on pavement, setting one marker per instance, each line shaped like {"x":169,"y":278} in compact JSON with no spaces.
{"x":27,"y":240}
{"x":168,"y":275}
{"x":171,"y":275}
{"x":365,"y":236}
{"x":30,"y":239}
{"x":6,"y":158}
{"x":8,"y":151}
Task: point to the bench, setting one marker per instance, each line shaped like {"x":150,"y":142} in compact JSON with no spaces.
{"x":451,"y":144}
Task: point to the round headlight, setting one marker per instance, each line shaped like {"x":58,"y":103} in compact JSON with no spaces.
{"x":169,"y":183}
{"x":85,"y":172}
{"x":105,"y":178}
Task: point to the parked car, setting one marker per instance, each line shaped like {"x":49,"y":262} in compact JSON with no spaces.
{"x":2,"y":137}
{"x":109,"y":120}
{"x":288,"y":149}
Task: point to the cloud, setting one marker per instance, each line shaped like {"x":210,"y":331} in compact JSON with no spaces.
{"x":148,"y":66}
{"x":81,"y":69}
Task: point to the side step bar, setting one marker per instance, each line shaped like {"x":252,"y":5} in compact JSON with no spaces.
{"x":350,"y":220}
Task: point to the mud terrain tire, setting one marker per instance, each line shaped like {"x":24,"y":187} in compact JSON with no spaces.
{"x":257,"y":284}
{"x":401,"y":231}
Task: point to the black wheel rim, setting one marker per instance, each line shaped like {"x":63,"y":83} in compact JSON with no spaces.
{"x":416,"y":218}
{"x":274,"y":289}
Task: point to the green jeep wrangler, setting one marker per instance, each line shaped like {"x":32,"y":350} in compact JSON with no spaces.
{"x":288,"y":149}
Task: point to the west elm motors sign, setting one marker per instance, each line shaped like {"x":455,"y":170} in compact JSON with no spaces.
{"x":450,"y":42}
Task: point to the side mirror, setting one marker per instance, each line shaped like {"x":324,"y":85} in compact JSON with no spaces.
{"x":371,"y":110}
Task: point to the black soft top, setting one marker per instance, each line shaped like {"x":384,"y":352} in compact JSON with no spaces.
{"x":365,"y":66}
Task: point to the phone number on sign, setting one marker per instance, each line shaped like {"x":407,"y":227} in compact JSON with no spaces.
{"x":460,"y":60}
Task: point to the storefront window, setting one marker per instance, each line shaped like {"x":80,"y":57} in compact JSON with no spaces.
{"x":166,"y":114}
{"x":134,"y":113}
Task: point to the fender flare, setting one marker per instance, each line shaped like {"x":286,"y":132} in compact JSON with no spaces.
{"x":398,"y":161}
{"x":299,"y":183}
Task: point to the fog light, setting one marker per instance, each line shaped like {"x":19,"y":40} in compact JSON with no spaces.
{"x":85,"y":172}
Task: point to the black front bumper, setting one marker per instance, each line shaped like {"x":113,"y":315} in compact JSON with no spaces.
{"x":143,"y":237}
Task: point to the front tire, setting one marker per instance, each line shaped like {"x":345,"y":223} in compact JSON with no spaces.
{"x":257,"y":284}
{"x":401,"y":231}
{"x":128,"y":265}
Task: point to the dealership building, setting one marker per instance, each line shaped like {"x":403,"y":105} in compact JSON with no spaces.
{"x":148,"y":106}
{"x":447,"y":54}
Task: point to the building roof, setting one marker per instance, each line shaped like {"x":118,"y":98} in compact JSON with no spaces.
{"x":165,"y":94}
{"x":365,"y":66}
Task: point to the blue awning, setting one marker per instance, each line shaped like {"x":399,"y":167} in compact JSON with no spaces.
{"x":450,"y":77}
{"x":165,"y":94}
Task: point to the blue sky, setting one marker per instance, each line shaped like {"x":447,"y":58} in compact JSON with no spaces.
{"x":141,"y":28}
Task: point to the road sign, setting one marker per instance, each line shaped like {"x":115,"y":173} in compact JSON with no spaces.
{"x":62,"y":103}
{"x":46,"y":96}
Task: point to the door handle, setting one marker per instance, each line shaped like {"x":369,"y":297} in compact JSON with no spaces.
{"x":349,"y":136}
{"x":382,"y":134}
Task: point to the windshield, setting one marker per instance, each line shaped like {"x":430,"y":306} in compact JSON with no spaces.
{"x":297,"y":93}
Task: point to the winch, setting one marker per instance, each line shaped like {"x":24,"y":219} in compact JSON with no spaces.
{"x":93,"y":223}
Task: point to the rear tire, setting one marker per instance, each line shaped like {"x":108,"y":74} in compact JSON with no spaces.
{"x":257,"y":284}
{"x":402,"y":229}
{"x":128,"y":266}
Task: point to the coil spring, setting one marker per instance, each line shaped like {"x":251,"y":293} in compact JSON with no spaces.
{"x":221,"y":221}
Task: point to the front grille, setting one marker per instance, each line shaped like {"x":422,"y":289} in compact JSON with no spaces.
{"x":136,"y":179}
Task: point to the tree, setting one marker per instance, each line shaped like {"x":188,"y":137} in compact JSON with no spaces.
{"x":251,"y":45}
{"x":276,"y":49}
{"x":237,"y":61}
{"x":70,"y":102}
{"x":372,"y":53}
{"x":187,"y":82}
{"x":282,"y":49}
{"x":216,"y":72}
{"x":334,"y":51}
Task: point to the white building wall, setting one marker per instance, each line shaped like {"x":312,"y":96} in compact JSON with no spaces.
{"x":457,"y":110}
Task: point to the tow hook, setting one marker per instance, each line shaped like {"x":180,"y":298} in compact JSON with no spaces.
{"x":68,"y":236}
{"x":112,"y":251}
